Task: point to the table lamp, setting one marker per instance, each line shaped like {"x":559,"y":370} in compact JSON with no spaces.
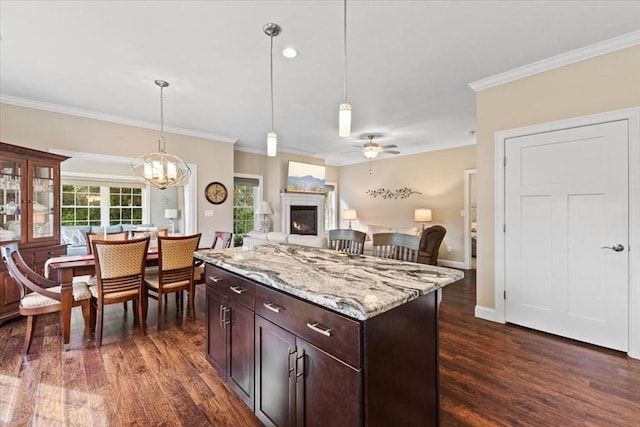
{"x":349,"y":215}
{"x":171,"y":214}
{"x":264,"y":209}
{"x":422,"y":215}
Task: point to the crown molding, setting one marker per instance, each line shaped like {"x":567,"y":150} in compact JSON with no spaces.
{"x":597,"y":49}
{"x":62,"y":109}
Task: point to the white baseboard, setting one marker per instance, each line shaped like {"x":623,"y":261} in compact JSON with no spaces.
{"x":486,"y":314}
{"x":452,"y":264}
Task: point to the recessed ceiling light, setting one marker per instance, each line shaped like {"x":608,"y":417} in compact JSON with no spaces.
{"x":290,"y":52}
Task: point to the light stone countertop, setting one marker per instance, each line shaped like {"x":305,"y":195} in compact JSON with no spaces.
{"x":357,"y":286}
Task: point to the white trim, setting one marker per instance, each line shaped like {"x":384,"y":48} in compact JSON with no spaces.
{"x":467,"y":217}
{"x":487,"y":313}
{"x":78,"y":112}
{"x":622,"y":42}
{"x":333,"y":206}
{"x":633,"y":117}
{"x":452,"y":264}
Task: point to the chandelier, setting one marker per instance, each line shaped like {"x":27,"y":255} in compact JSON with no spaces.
{"x":159,"y":168}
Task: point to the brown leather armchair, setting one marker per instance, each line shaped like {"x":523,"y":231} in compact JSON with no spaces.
{"x":430,"y":244}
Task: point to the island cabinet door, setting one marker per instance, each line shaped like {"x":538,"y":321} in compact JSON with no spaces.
{"x":328,"y":391}
{"x":275,"y":376}
{"x":241,"y":353}
{"x":217,"y":331}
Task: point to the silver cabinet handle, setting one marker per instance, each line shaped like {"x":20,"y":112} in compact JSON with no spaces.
{"x":315,"y":327}
{"x":214,"y":278}
{"x":271,"y":306}
{"x":615,"y":248}
{"x":237,"y":289}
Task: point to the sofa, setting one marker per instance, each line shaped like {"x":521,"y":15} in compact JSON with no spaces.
{"x":257,"y":238}
{"x":75,"y":236}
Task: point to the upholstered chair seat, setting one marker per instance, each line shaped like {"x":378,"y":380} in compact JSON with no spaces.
{"x":80,"y":292}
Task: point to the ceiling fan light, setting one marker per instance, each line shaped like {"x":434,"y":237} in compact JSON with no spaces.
{"x":370,"y":154}
{"x":344,"y":120}
{"x":272,"y":144}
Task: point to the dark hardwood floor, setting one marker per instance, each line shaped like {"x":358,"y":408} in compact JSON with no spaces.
{"x":490,"y":374}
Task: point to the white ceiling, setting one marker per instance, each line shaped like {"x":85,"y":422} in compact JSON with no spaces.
{"x":409,"y":63}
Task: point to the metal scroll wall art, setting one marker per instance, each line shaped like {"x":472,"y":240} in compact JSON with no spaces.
{"x":401,"y":193}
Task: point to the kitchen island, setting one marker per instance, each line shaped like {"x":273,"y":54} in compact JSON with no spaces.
{"x":309,"y":336}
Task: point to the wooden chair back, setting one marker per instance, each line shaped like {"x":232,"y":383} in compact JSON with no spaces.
{"x":403,"y":247}
{"x":25,"y":278}
{"x":120,"y":268}
{"x":118,"y":235}
{"x":222,"y":240}
{"x":175,"y":258}
{"x":347,"y":240}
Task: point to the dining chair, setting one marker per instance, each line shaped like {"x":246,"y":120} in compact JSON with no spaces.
{"x":175,"y":272}
{"x":39,"y":295}
{"x":90,"y":237}
{"x":120,"y":273}
{"x":398,"y":246}
{"x":347,"y":240}
{"x":221,"y":240}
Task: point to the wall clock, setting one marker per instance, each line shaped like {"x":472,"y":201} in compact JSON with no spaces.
{"x":216,"y":193}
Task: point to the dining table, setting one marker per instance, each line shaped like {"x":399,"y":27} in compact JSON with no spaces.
{"x":63,"y":269}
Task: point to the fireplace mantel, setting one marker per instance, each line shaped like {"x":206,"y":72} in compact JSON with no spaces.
{"x":302,"y":199}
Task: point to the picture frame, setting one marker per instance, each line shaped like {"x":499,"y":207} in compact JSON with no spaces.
{"x":305,"y":178}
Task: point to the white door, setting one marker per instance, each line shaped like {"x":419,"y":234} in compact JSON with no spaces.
{"x":566,"y":207}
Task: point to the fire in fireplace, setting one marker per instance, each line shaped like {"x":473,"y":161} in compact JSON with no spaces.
{"x":304,"y":220}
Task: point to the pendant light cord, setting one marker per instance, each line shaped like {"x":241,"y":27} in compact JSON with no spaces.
{"x":345,"y":51}
{"x":162,"y":144}
{"x":271,"y":38}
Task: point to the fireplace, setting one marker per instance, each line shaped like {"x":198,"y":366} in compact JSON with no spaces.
{"x":304,"y":220}
{"x":300,"y":208}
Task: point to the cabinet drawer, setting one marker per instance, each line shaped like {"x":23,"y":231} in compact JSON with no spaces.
{"x":335,"y":334}
{"x":230,"y":285}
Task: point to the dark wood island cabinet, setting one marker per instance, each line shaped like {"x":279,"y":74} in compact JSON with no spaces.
{"x":296,"y":362}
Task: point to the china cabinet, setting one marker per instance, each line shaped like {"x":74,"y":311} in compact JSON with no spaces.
{"x":29,"y":213}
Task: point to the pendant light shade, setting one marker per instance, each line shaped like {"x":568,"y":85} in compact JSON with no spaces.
{"x":272,"y":30}
{"x":161,"y":169}
{"x":344,"y":116}
{"x":344,"y":120}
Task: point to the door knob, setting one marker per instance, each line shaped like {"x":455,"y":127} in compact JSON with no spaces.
{"x":615,"y":248}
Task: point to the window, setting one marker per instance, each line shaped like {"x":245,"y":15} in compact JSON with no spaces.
{"x":330,"y":208}
{"x":247,"y":193}
{"x":80,"y":205}
{"x":125,"y":205}
{"x":89,"y":204}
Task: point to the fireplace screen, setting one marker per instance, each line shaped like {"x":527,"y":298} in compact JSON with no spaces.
{"x":304,"y":220}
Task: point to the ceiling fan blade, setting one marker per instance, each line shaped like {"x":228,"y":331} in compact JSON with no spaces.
{"x":389,"y":146}
{"x":391,"y":152}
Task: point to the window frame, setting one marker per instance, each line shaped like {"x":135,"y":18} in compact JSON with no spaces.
{"x":257,"y":196}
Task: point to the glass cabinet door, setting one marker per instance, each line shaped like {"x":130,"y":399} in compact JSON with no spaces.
{"x":42,"y":202}
{"x":10,"y":199}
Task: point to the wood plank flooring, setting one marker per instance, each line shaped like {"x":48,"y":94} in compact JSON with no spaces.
{"x":490,"y":374}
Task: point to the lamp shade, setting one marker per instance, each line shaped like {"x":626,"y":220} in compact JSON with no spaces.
{"x":422,"y":215}
{"x":349,"y":214}
{"x":264,"y":208}
{"x":171,"y":213}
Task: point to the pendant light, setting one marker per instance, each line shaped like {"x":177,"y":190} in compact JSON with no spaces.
{"x":344,"y":117}
{"x":161,"y":169}
{"x":272,"y":30}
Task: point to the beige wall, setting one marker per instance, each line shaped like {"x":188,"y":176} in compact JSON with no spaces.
{"x":604,"y":83}
{"x":274,"y":174}
{"x":45,"y":130}
{"x":438,"y":175}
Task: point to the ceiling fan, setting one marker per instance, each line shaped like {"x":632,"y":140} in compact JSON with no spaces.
{"x":371,"y":149}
